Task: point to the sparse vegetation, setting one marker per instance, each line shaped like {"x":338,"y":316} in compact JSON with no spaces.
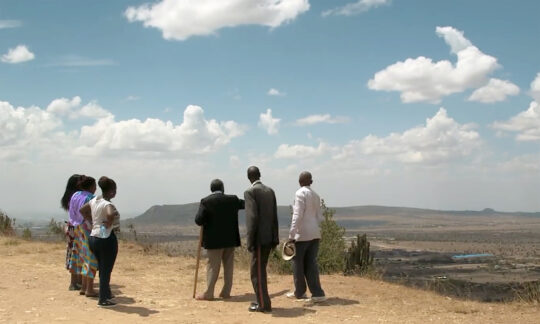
{"x":529,"y":292}
{"x":359,"y":260}
{"x":56,"y":228}
{"x":27,"y":234}
{"x":6,"y":225}
{"x":332,"y":247}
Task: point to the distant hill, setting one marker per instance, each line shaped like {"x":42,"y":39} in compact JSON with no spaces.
{"x":349,"y":217}
{"x":184,"y":215}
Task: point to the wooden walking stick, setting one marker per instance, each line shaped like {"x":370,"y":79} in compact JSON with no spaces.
{"x":198,"y":259}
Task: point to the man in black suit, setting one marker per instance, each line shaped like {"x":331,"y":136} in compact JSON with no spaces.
{"x":218,"y":215}
{"x":262,"y":235}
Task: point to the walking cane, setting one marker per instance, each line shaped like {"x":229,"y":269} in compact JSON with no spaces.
{"x":198,"y":259}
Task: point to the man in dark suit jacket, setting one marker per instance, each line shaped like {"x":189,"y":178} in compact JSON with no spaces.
{"x":262,"y":235}
{"x":218,"y":215}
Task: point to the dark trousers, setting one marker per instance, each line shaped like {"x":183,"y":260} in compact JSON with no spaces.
{"x":259,"y":260}
{"x":305,"y":268}
{"x":105,"y":251}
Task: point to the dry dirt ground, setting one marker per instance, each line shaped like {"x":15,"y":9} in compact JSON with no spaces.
{"x":158,"y":289}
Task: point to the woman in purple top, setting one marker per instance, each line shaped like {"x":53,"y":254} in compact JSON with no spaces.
{"x":83,"y":261}
{"x":72,"y":186}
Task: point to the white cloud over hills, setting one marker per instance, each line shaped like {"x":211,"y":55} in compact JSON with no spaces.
{"x":286,"y":151}
{"x":181,"y":19}
{"x":526,"y":124}
{"x":441,"y":140}
{"x":34,"y":131}
{"x":422,"y":80}
{"x":19,"y":54}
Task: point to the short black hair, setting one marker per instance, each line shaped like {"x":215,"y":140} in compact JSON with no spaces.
{"x":106,"y":184}
{"x":253,"y":173}
{"x":216,"y":185}
{"x":87,"y":182}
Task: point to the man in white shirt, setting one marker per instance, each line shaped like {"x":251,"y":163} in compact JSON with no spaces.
{"x":306,"y":234}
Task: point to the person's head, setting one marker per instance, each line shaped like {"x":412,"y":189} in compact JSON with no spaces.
{"x":253,"y":174}
{"x":87,"y":183}
{"x":72,"y":186}
{"x":217,"y":185}
{"x":108,"y":187}
{"x":305,"y":179}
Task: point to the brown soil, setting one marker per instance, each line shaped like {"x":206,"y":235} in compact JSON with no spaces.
{"x":157,"y":288}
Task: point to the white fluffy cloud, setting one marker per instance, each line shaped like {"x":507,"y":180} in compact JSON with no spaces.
{"x":440,"y":140}
{"x":496,"y":90}
{"x":69,"y":108}
{"x":317,"y":119}
{"x":535,"y":88}
{"x":195,"y":135}
{"x":275,"y":92}
{"x":269,"y":123}
{"x":181,"y":19}
{"x":21,"y":126}
{"x":64,"y":106}
{"x":526,"y":124}
{"x":18,"y":54}
{"x":286,"y":151}
{"x":421,"y":79}
{"x":355,"y":8}
{"x":26,"y":132}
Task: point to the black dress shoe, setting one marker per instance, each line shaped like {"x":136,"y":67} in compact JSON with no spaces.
{"x":254,"y":307}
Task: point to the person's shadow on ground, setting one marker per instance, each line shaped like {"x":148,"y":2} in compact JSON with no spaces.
{"x":249,"y":297}
{"x":291,"y":312}
{"x":123,"y":303}
{"x":142,"y":311}
{"x":332,"y":301}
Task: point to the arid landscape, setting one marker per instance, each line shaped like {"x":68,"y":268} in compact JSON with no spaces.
{"x":429,"y":266}
{"x":156,"y":288}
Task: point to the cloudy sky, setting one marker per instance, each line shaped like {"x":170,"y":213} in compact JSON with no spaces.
{"x":431,"y":104}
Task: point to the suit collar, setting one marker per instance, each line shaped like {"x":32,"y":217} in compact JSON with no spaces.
{"x":256,"y":182}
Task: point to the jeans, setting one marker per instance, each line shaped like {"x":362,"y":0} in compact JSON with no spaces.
{"x":105,"y":250}
{"x":305,"y":269}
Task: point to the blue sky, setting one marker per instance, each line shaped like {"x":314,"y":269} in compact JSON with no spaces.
{"x":429,"y":104}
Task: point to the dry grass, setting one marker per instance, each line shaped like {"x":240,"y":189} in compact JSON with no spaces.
{"x":156,"y":288}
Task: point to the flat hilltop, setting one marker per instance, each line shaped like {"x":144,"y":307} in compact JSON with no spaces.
{"x":158,"y":288}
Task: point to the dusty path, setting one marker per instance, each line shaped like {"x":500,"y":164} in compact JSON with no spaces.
{"x":157,"y":289}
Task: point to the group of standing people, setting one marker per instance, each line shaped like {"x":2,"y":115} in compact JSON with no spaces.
{"x":91,"y":235}
{"x":218,"y":216}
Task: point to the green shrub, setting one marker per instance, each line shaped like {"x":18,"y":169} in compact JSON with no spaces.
{"x":27,"y":234}
{"x":276,"y":264}
{"x":6,"y":225}
{"x":56,"y":228}
{"x":331,"y":256}
{"x":359,"y":260}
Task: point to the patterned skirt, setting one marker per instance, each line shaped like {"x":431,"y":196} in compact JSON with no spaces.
{"x":89,"y":261}
{"x":70,"y":236}
{"x":75,"y":261}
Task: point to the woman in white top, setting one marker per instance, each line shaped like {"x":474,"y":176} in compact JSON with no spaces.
{"x":103,"y":242}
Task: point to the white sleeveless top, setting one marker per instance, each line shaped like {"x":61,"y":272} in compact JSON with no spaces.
{"x":98,"y":205}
